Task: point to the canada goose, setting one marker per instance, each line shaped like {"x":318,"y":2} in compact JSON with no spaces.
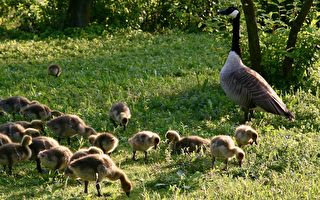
{"x":222,"y":146}
{"x":39,"y":144}
{"x":245,"y":135}
{"x":105,"y":141}
{"x":96,"y":167}
{"x":84,"y":152}
{"x":54,"y":70}
{"x":39,"y":111}
{"x":243,"y":85}
{"x":120,"y":113}
{"x":55,"y":158}
{"x":143,"y":141}
{"x":16,"y":131}
{"x":4,"y":139}
{"x":13,"y":153}
{"x":186,"y":144}
{"x":36,"y":124}
{"x":69,"y":125}
{"x":14,"y":104}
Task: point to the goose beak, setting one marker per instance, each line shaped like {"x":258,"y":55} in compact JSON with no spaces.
{"x":222,"y":12}
{"x":256,"y":142}
{"x":128,"y":194}
{"x":155,"y":146}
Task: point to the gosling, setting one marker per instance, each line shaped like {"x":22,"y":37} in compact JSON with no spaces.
{"x":245,"y":135}
{"x":14,"y":104}
{"x":84,"y":152}
{"x":4,"y":139}
{"x":187,"y":144}
{"x":13,"y":153}
{"x":96,"y":167}
{"x":69,"y":125}
{"x":36,"y":124}
{"x":105,"y":141}
{"x":16,"y":131}
{"x":56,"y":158}
{"x":120,"y":113}
{"x":39,"y":144}
{"x":222,"y":146}
{"x":143,"y":141}
{"x":39,"y":111}
{"x":54,"y":70}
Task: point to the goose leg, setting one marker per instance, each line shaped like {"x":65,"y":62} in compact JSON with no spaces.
{"x":98,"y":188}
{"x":145,"y":155}
{"x":86,"y":186}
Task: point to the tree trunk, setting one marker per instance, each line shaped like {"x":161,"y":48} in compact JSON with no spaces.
{"x":79,"y":11}
{"x":293,"y":35}
{"x":253,"y":37}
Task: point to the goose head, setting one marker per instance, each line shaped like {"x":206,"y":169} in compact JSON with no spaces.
{"x":233,"y":12}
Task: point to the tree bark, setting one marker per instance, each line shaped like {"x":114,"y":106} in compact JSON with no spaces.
{"x":293,"y":35}
{"x":79,"y":11}
{"x":253,"y":37}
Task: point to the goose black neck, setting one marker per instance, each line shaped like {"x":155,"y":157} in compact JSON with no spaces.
{"x":236,"y":35}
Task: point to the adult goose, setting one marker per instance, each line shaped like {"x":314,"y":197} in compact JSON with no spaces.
{"x":243,"y":85}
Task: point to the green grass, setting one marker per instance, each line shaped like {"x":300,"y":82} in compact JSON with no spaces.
{"x":170,"y":81}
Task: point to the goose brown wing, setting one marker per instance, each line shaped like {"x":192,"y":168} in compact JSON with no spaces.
{"x":259,"y":92}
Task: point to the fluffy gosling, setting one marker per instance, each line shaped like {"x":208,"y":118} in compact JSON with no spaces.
{"x":120,"y":113}
{"x":105,"y":141}
{"x":39,"y":111}
{"x":56,"y":158}
{"x":143,"y":141}
{"x":14,"y":104}
{"x":16,"y":131}
{"x":222,"y":146}
{"x":96,"y":167}
{"x":245,"y":135}
{"x":69,"y":125}
{"x":54,"y":70}
{"x":4,"y":139}
{"x":187,"y":144}
{"x":39,"y":144}
{"x":13,"y":153}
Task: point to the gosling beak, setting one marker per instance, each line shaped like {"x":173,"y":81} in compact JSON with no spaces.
{"x":128,"y":194}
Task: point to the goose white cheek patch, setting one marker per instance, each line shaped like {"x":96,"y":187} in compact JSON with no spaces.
{"x":234,"y":14}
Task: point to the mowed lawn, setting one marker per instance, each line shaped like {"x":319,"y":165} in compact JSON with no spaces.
{"x":169,"y":81}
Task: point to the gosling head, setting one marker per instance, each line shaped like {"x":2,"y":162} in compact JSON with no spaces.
{"x":254,"y":138}
{"x":156,"y":141}
{"x":37,"y":124}
{"x":31,"y":131}
{"x":26,"y":140}
{"x":94,"y":150}
{"x":124,"y":119}
{"x":172,"y":136}
{"x":90,"y":131}
{"x":92,"y":138}
{"x":240,"y":155}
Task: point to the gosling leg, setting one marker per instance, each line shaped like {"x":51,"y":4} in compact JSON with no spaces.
{"x":134,"y":155}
